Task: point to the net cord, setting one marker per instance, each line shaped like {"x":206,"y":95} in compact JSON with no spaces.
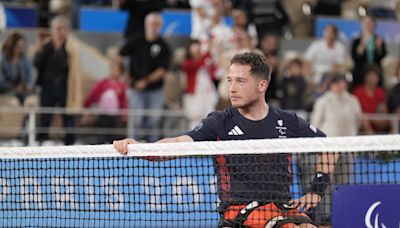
{"x":260,"y":146}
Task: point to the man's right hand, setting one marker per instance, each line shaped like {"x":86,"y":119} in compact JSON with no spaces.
{"x":122,"y":145}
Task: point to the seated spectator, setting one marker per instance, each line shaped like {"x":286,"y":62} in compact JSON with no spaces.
{"x":270,"y":45}
{"x":108,"y":95}
{"x":201,"y":95}
{"x":293,"y":87}
{"x":337,"y":105}
{"x":372,"y":98}
{"x":15,"y":68}
{"x":325,"y":55}
{"x":240,"y":20}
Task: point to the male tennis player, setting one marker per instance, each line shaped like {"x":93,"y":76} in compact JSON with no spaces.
{"x":255,"y":190}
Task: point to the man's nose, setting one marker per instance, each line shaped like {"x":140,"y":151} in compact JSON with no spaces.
{"x":232,"y":87}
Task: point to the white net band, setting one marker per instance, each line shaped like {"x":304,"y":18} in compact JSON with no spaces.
{"x":264,"y":146}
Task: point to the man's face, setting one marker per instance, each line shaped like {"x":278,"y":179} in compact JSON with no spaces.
{"x":368,"y":25}
{"x":59,"y":30}
{"x":329,"y":34}
{"x":269,"y":44}
{"x":372,"y":79}
{"x":153,"y":26}
{"x":339,"y":86}
{"x":244,"y":89}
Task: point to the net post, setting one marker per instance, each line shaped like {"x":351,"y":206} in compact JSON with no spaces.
{"x":31,"y":127}
{"x":131,"y":123}
{"x":395,"y":124}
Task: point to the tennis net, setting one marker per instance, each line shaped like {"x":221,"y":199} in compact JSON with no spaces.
{"x":197,"y":183}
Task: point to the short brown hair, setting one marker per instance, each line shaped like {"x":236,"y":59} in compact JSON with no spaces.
{"x":257,"y":62}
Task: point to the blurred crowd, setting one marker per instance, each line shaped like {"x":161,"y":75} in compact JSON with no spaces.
{"x":329,"y":83}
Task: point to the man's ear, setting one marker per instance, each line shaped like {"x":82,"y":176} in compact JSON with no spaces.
{"x":263,"y":85}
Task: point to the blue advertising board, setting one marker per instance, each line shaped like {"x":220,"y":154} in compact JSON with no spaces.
{"x":371,"y":206}
{"x":108,"y":192}
{"x":389,"y":30}
{"x":176,"y":22}
{"x":20,"y":17}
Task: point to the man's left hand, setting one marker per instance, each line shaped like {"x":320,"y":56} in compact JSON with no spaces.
{"x":307,"y":201}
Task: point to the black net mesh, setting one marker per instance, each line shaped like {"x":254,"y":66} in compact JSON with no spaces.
{"x":194,"y":191}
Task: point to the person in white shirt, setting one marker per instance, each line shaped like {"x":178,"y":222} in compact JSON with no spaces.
{"x":326,"y":54}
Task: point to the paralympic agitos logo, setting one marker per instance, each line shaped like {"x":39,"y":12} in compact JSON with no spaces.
{"x":374,"y":222}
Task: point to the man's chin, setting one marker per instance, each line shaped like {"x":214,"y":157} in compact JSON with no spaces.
{"x":236,"y":105}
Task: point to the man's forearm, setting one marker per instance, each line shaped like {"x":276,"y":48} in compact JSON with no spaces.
{"x":182,"y":138}
{"x":156,"y":75}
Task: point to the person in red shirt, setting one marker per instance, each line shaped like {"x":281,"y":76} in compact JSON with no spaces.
{"x":373,"y":100}
{"x":201,"y":95}
{"x":108,"y":95}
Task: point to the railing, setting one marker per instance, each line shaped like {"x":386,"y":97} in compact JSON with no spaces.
{"x":31,"y":128}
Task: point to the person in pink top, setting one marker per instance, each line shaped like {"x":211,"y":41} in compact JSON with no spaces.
{"x":373,"y":100}
{"x":109,"y":96}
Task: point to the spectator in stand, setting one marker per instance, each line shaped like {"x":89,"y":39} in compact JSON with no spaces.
{"x":293,"y":87}
{"x":149,"y":62}
{"x":201,"y":95}
{"x":137,"y":12}
{"x":240,"y":20}
{"x":325,"y":55}
{"x":108,"y":95}
{"x":15,"y":68}
{"x":367,"y":49}
{"x":269,"y":16}
{"x":269,"y":45}
{"x":246,"y":5}
{"x":372,"y":98}
{"x":220,"y":37}
{"x":58,"y":66}
{"x":337,"y":105}
{"x":201,"y":17}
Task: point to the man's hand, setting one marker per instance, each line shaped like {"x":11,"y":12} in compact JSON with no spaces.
{"x":141,"y":84}
{"x":307,"y":201}
{"x":122,"y":145}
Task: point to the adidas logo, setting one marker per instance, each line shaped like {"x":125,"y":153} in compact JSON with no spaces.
{"x":235,"y":131}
